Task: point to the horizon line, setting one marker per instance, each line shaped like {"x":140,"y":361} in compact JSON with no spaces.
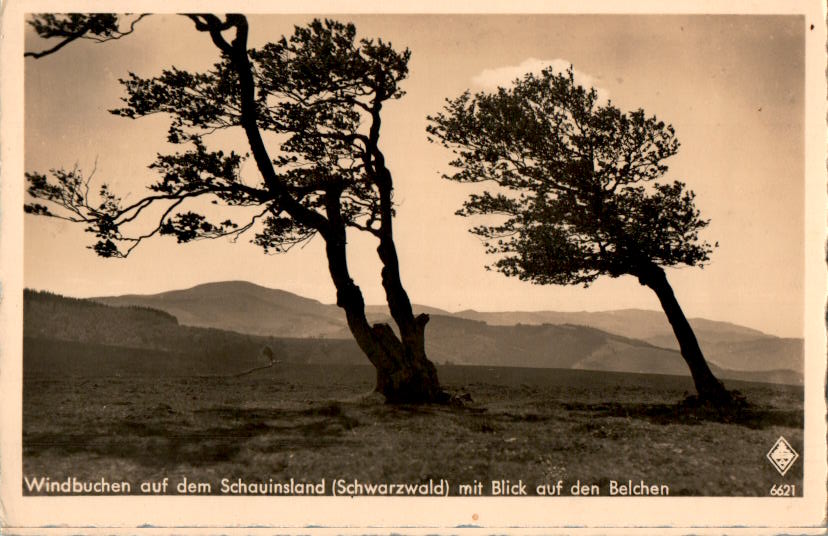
{"x":414,"y":304}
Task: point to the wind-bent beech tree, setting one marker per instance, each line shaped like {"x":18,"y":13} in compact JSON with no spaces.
{"x":318,"y":97}
{"x":575,"y":193}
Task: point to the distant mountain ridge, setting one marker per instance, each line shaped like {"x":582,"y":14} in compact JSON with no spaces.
{"x":248,"y":308}
{"x":243,"y":307}
{"x":727,"y":344}
{"x":637,"y":323}
{"x":65,"y":336}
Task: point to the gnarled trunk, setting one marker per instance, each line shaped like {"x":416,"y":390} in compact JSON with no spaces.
{"x":404,"y":373}
{"x":708,"y":387}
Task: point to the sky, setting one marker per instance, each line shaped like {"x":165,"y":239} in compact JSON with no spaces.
{"x":732,"y":86}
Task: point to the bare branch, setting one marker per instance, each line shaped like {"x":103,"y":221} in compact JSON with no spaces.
{"x":89,"y":27}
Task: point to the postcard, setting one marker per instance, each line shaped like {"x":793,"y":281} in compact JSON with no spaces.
{"x":436,"y":268}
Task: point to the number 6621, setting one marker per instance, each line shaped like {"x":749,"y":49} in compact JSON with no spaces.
{"x":783,"y":490}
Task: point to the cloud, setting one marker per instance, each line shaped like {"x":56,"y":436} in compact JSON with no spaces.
{"x":490,"y":79}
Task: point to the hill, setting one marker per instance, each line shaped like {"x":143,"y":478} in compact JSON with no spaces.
{"x":248,"y":308}
{"x":243,"y":307}
{"x":67,"y":336}
{"x":70,"y":336}
{"x":729,"y":345}
{"x":453,"y":340}
{"x":650,"y":326}
{"x":252,"y":309}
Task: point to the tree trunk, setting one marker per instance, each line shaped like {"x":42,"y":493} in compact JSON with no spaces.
{"x":707,"y":386}
{"x":412,"y":372}
{"x":404,"y":373}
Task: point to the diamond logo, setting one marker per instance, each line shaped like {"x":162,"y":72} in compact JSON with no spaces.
{"x":782,"y":455}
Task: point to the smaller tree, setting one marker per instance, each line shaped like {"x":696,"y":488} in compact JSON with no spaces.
{"x":576,"y":193}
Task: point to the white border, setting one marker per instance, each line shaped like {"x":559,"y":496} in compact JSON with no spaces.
{"x":421,"y":515}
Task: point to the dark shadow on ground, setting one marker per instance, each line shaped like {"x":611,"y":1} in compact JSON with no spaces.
{"x":687,"y":412}
{"x":200,"y":437}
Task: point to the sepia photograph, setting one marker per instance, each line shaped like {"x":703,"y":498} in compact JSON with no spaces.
{"x":432,"y":269}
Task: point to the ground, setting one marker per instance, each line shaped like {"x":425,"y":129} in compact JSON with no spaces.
{"x":538,"y":426}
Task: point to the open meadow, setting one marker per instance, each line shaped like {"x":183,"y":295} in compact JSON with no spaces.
{"x":313,"y":422}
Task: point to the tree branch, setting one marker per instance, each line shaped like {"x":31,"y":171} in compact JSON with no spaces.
{"x":60,"y":45}
{"x":110,"y":34}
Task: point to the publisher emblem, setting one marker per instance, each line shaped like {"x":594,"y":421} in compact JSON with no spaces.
{"x":782,"y":455}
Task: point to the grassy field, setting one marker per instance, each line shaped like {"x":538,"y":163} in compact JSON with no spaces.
{"x":312,"y":422}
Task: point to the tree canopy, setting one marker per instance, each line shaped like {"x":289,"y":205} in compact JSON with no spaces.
{"x":315,"y":90}
{"x":573,"y":181}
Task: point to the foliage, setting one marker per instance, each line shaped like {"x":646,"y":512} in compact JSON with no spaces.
{"x":67,"y":27}
{"x":315,"y":92}
{"x":573,"y":182}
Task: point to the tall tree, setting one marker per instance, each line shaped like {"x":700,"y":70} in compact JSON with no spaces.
{"x":575,"y":192}
{"x":316,"y":97}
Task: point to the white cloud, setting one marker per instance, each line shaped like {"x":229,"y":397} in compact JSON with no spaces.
{"x":490,"y":79}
